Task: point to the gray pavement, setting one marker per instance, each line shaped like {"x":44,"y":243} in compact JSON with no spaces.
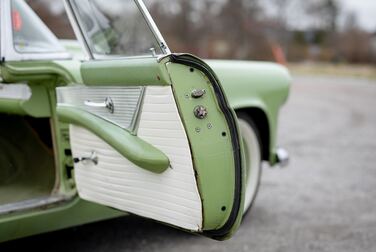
{"x":324,"y":201}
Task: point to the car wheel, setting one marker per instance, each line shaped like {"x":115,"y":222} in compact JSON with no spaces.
{"x":253,"y":151}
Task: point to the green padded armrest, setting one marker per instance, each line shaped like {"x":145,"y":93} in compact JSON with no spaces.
{"x":131,"y":147}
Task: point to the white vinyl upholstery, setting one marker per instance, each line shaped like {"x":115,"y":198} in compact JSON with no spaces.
{"x":171,"y":197}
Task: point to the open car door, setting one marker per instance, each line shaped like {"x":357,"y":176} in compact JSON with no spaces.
{"x":151,"y":132}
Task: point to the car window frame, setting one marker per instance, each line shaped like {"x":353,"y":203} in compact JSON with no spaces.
{"x":90,"y":55}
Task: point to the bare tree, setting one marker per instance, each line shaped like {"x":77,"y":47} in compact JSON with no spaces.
{"x":354,"y":43}
{"x":325,"y":13}
{"x":244,"y":29}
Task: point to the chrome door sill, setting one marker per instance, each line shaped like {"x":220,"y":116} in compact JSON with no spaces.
{"x":23,"y":206}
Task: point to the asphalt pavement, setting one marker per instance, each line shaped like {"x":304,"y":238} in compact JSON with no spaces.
{"x":324,"y":201}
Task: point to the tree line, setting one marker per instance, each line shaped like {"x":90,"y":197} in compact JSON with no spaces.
{"x":281,"y":30}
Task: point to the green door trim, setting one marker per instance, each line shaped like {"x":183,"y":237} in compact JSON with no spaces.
{"x":235,"y":217}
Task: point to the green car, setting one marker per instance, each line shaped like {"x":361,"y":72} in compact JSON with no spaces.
{"x":123,"y":126}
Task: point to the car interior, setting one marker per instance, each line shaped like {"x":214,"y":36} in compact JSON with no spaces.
{"x":27,"y":166}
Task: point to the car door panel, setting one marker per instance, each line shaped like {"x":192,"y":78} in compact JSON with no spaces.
{"x":171,"y":197}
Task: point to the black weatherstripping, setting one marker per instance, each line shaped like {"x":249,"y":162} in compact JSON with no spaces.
{"x":191,"y":61}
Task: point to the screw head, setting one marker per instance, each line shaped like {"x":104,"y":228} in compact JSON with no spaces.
{"x":200,"y":112}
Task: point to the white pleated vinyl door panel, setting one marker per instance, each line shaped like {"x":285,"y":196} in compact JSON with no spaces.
{"x":171,"y":197}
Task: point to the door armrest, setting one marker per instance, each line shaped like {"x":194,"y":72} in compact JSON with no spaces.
{"x":131,"y":147}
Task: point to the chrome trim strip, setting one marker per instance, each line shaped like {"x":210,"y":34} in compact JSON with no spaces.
{"x":153,"y":27}
{"x":137,"y":114}
{"x":3,"y":11}
{"x":98,"y":57}
{"x":33,"y":204}
{"x":77,"y":30}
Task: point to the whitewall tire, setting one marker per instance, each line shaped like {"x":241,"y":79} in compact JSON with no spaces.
{"x":253,"y":152}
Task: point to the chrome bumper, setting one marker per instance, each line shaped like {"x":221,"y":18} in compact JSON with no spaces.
{"x":283,"y":158}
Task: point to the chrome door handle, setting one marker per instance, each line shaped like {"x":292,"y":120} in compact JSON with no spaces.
{"x":108,"y":103}
{"x":93,"y":158}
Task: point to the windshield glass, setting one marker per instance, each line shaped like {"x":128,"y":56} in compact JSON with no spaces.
{"x":115,"y":28}
{"x":30,"y":34}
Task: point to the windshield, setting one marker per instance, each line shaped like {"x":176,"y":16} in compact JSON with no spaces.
{"x":115,"y":28}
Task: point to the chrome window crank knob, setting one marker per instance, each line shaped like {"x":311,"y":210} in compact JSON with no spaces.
{"x":93,"y":159}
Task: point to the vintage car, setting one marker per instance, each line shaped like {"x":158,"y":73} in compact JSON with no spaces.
{"x":127,"y":127}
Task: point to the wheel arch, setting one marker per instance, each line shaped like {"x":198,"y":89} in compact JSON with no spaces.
{"x":261,"y":121}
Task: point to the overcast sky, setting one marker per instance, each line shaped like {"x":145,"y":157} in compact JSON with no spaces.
{"x":365,"y":10}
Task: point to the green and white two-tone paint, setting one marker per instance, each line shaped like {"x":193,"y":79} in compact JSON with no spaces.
{"x":129,"y":127}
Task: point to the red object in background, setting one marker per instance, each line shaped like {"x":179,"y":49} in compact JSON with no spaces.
{"x":17,"y":21}
{"x":279,"y":54}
